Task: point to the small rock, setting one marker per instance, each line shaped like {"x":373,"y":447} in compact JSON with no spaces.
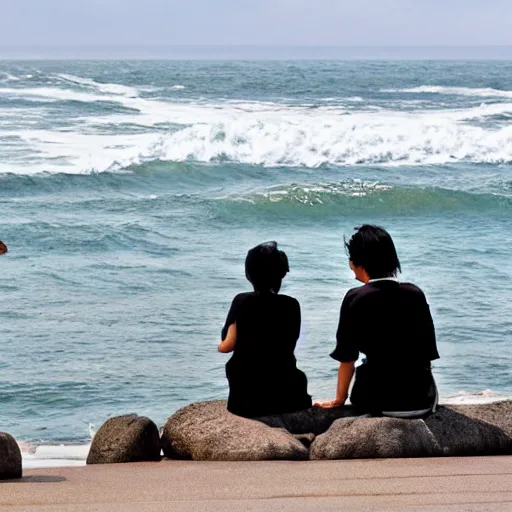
{"x":208,"y":431}
{"x":128,"y":438}
{"x":10,"y":457}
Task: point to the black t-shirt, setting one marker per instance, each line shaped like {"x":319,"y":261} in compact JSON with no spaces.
{"x":390,"y":323}
{"x":262,"y":372}
{"x":268,"y":327}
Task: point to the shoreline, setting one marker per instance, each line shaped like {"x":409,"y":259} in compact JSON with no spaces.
{"x":62,"y":455}
{"x":443,"y":484}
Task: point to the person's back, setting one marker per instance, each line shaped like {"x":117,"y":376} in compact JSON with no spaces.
{"x":396,"y":335}
{"x":391,"y":325}
{"x":396,"y":327}
{"x":268,"y":326}
{"x":262,"y":329}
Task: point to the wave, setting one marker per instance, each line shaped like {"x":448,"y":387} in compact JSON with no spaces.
{"x":90,"y":91}
{"x":359,"y":197}
{"x":359,"y":140}
{"x":7,"y":77}
{"x":178,"y":87}
{"x":257,"y":133}
{"x":52,"y":95}
{"x":123,"y":90}
{"x":483,"y":92}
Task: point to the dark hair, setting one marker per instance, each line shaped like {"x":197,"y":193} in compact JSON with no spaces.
{"x":265,"y":267}
{"x":372,"y":248}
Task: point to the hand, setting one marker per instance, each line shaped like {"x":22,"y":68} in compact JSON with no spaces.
{"x":330,"y":404}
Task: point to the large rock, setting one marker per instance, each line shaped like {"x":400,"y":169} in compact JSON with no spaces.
{"x":10,"y":457}
{"x":484,"y":429}
{"x":128,"y":438}
{"x":363,"y":438}
{"x":496,"y":413}
{"x":208,"y":431}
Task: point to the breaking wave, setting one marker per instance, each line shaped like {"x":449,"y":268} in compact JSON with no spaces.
{"x":259,"y":133}
{"x":270,"y":139}
{"x":358,"y":196}
{"x":483,"y":92}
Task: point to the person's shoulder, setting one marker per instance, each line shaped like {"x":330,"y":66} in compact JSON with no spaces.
{"x":412,"y":290}
{"x":242,"y":297}
{"x":288,"y":299}
{"x":410,"y":287}
{"x":353,"y":294}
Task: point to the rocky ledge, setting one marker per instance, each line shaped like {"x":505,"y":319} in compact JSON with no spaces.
{"x":207,"y":431}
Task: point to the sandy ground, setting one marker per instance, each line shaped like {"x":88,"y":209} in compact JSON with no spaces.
{"x":444,"y":484}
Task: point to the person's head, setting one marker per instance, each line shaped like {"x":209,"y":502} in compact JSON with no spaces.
{"x":372,"y":253}
{"x":3,"y":247}
{"x":265,"y":267}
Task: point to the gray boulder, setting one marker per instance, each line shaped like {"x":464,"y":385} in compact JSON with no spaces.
{"x":483,"y":429}
{"x":10,"y":457}
{"x":362,"y":438}
{"x":208,"y":431}
{"x":128,"y":438}
{"x":498,"y":414}
{"x":480,"y":429}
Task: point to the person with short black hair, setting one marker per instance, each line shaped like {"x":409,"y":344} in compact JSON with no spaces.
{"x":262,"y":329}
{"x":390,"y":323}
{"x":3,"y":248}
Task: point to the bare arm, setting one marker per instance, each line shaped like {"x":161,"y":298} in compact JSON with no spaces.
{"x":228,"y":343}
{"x":345,"y":373}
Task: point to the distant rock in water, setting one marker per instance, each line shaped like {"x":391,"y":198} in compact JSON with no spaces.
{"x":128,"y":438}
{"x":10,"y":457}
{"x":208,"y":431}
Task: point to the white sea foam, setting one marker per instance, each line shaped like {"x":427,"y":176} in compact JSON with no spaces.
{"x":49,"y":456}
{"x":123,"y":90}
{"x":315,"y":194}
{"x":483,"y":397}
{"x":7,"y":77}
{"x":260,"y":133}
{"x":51,"y":94}
{"x":92,"y":91}
{"x":484,"y":92}
{"x":178,"y":87}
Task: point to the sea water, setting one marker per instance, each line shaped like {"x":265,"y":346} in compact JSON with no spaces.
{"x":131,"y":191}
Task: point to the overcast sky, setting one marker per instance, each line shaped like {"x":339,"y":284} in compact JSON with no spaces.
{"x":255,"y":22}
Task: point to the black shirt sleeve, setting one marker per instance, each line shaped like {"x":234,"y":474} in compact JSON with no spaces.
{"x":346,"y":349}
{"x":296,"y":320}
{"x":429,"y":333}
{"x":232,"y":315}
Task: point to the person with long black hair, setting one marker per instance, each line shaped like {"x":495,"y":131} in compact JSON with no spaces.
{"x":262,"y":329}
{"x":389,"y":322}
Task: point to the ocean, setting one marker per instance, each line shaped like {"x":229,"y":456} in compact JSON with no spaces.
{"x":130,"y":192}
